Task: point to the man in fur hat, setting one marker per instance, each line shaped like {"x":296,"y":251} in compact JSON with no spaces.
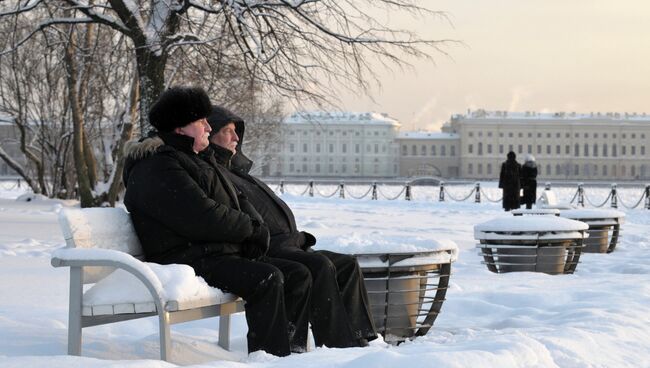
{"x":186,"y":212}
{"x":339,"y":308}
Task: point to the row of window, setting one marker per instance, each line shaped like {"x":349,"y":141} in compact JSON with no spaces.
{"x":559,"y":135}
{"x":332,"y":169}
{"x":337,"y":131}
{"x":370,"y":148}
{"x":575,"y":170}
{"x":331,"y":159}
{"x":588,"y":150}
{"x":432,"y":150}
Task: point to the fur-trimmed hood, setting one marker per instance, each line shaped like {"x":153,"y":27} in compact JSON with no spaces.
{"x":139,"y":149}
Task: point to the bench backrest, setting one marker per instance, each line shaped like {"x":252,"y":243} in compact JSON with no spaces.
{"x":105,"y":228}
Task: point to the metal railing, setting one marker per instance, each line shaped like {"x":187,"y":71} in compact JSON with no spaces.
{"x":375,"y":191}
{"x":11,"y":184}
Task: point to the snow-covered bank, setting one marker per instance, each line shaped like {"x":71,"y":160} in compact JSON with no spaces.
{"x":597,"y":317}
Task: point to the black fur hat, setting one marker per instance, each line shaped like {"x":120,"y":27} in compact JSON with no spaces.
{"x":179,"y":106}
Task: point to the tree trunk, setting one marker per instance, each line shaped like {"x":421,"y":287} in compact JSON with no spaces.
{"x":83,"y":177}
{"x":18,"y":169}
{"x":127,"y":133}
{"x":21,"y":122}
{"x":151,"y":74}
{"x":40,"y":169}
{"x":89,"y":156}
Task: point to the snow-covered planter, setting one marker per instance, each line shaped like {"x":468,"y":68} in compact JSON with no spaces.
{"x":546,"y":244}
{"x":406,"y":279}
{"x":601,"y":222}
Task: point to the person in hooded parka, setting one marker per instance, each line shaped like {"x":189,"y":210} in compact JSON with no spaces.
{"x":509,"y":182}
{"x":339,"y":308}
{"x":529,"y":181}
{"x":185,"y":212}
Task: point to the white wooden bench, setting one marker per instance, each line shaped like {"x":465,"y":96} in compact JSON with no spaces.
{"x":101,"y":244}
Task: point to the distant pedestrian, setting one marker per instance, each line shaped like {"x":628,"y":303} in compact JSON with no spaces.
{"x":529,"y":181}
{"x":509,"y":182}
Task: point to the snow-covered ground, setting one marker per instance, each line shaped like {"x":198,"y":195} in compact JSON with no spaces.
{"x":597,"y":317}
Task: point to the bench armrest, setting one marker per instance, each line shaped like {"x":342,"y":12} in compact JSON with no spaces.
{"x":81,"y":257}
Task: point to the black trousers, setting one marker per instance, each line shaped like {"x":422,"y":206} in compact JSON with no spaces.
{"x":339,"y":308}
{"x":276,"y":292}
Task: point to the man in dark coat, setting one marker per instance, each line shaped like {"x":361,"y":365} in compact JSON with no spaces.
{"x":185,"y":212}
{"x":339,"y":307}
{"x":509,"y":182}
{"x":529,"y":181}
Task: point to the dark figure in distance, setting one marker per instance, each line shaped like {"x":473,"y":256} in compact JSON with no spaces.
{"x":529,"y":181}
{"x":339,"y":308}
{"x":187,"y":212}
{"x":509,"y":182}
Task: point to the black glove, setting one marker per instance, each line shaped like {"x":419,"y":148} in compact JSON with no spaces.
{"x":307,"y":241}
{"x":257,"y":244}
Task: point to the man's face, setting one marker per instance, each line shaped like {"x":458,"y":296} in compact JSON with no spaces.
{"x":200,"y":131}
{"x":226,"y":137}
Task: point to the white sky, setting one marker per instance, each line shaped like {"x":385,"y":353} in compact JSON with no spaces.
{"x":551,"y":55}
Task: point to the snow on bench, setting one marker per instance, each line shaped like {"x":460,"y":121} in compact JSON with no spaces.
{"x":103,"y":249}
{"x":549,"y":200}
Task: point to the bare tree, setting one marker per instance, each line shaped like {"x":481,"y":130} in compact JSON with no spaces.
{"x":301,"y":48}
{"x":102,"y":93}
{"x":30,"y":86}
{"x":231,"y":85}
{"x":72,"y":93}
{"x":119,"y":55}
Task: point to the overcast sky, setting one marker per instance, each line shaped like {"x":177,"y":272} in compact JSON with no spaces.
{"x":545,"y":55}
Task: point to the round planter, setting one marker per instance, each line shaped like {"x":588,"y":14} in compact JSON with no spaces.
{"x":547,"y":244}
{"x":406,"y":290}
{"x":601,"y":222}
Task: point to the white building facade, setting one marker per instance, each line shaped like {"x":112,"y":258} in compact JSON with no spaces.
{"x":567,"y":146}
{"x":328,"y":144}
{"x":429,"y":154}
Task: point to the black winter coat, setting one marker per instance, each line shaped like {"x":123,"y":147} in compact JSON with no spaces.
{"x":529,"y":182}
{"x":509,"y":182}
{"x":260,"y":201}
{"x":181,"y":207}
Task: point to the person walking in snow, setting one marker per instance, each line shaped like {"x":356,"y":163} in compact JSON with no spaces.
{"x":185,"y":212}
{"x":529,"y":181}
{"x":509,"y":182}
{"x":339,"y":307}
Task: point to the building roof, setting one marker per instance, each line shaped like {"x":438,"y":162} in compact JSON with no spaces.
{"x":427,"y":135}
{"x":330,"y":118}
{"x":561,"y":115}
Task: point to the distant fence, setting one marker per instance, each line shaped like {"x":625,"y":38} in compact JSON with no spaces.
{"x":375,"y":190}
{"x":12,"y":183}
{"x":477,"y":194}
